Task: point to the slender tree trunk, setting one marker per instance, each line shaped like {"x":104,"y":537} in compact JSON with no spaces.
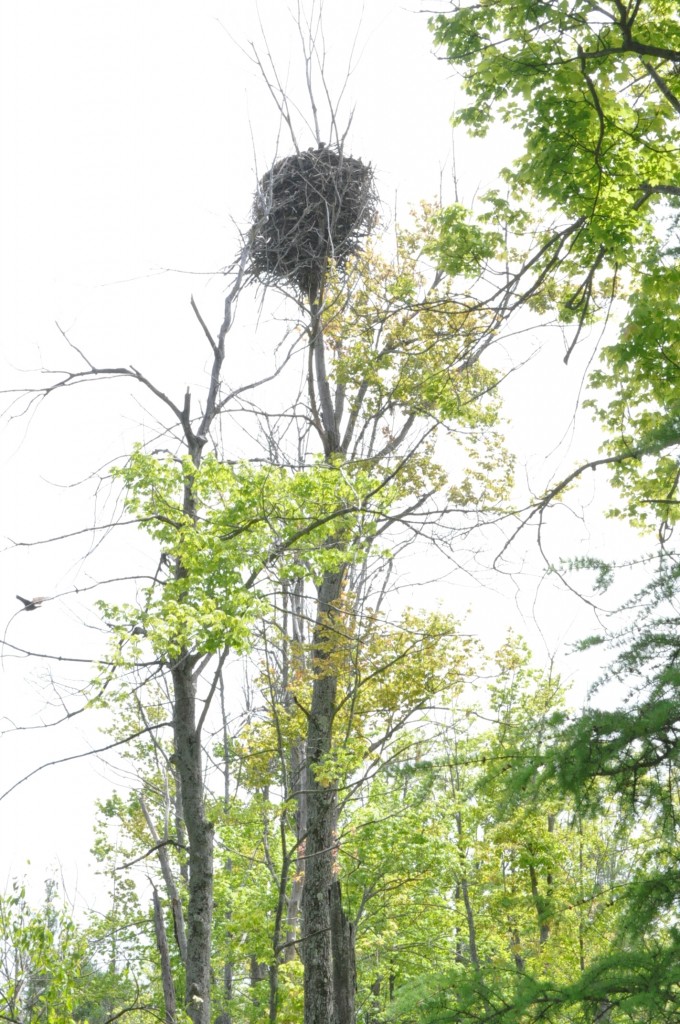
{"x":375,"y":1014}
{"x":180,"y":828}
{"x":516,"y":947}
{"x":581,"y":912}
{"x":327,"y":937}
{"x":603,"y":1012}
{"x":189,"y":764}
{"x":166,"y":970}
{"x":294,"y":908}
{"x":467,"y":902}
{"x":200,"y":835}
{"x":294,"y":665}
{"x":258,"y":973}
{"x":228,"y":969}
{"x":542,"y":903}
{"x":227,"y":988}
{"x":344,"y":966}
{"x":321,"y":814}
{"x":279,"y":924}
{"x":170,"y":884}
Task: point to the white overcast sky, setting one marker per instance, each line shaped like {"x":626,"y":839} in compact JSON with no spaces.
{"x":132,"y":135}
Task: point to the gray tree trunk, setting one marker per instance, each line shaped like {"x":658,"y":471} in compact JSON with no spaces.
{"x":469,"y":913}
{"x":542,"y":903}
{"x":170,"y":885}
{"x":293,"y":664}
{"x":200,"y":835}
{"x":320,"y":844}
{"x":344,"y":966}
{"x":166,"y":971}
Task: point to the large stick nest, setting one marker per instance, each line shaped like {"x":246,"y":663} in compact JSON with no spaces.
{"x":310,"y":208}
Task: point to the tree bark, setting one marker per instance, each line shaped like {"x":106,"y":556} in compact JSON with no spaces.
{"x":180,"y":828}
{"x":321,"y":813}
{"x":227,"y":988}
{"x":327,"y":939}
{"x":467,"y":902}
{"x":228,"y":969}
{"x":294,"y":664}
{"x":344,"y":965}
{"x":169,"y":998}
{"x":542,"y":903}
{"x":200,"y":835}
{"x":170,"y":885}
{"x":258,"y":973}
{"x":293,"y":911}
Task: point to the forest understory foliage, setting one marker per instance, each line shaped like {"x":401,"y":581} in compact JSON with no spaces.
{"x":392,"y":823}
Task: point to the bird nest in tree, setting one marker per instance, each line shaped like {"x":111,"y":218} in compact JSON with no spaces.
{"x":310,"y":208}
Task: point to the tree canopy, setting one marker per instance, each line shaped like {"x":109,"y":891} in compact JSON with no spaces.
{"x":338,"y":807}
{"x":590,"y":205}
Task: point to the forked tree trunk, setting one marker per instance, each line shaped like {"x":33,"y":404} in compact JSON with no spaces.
{"x":170,"y":884}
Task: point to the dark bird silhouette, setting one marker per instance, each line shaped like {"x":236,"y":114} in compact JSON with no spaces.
{"x":30,"y":605}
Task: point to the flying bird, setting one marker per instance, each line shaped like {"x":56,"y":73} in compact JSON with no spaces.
{"x":30,"y":605}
